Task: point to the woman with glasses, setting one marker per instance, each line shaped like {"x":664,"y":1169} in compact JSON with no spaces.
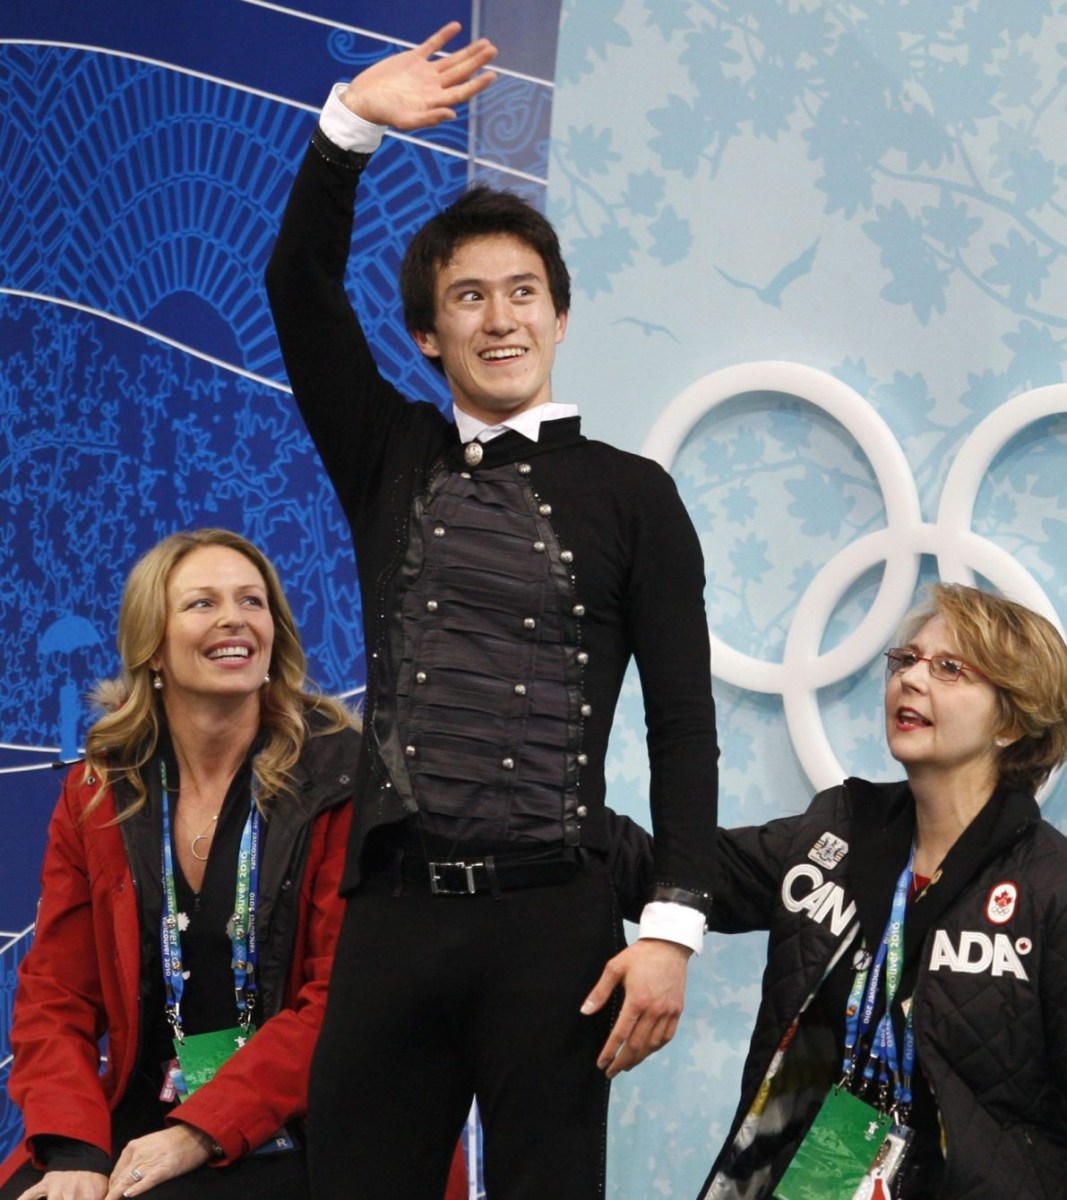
{"x":911,"y":1039}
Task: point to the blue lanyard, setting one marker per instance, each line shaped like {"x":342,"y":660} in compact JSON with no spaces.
{"x":883,"y":1059}
{"x":242,"y":926}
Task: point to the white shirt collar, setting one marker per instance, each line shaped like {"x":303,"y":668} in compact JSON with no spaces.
{"x":528,"y":422}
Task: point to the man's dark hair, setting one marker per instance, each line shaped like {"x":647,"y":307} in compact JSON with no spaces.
{"x":480,"y":212}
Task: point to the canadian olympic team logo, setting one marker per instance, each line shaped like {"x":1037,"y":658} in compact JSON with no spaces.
{"x":961,"y":554}
{"x":1000,"y":907}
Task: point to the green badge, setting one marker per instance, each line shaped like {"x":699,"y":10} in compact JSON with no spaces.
{"x":835,"y":1155}
{"x":201,"y":1054}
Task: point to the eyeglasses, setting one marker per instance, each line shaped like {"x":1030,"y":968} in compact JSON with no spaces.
{"x":942,"y":666}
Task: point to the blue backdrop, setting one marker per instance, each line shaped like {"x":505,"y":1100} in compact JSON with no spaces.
{"x":148,"y":150}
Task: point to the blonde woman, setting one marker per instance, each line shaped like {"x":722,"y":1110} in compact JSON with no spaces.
{"x":189,"y":907}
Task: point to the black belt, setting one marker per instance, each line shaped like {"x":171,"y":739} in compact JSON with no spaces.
{"x":490,"y":873}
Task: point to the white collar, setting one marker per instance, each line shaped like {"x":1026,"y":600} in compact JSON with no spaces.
{"x":527,"y":422}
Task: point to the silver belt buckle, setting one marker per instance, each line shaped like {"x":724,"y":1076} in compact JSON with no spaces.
{"x":464,"y":886}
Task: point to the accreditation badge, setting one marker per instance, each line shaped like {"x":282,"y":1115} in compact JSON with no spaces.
{"x":838,"y":1151}
{"x":877,"y":1183}
{"x":201,"y":1054}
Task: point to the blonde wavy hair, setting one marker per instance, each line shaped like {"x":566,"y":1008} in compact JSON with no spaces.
{"x":1024,"y":657}
{"x":122,"y":741}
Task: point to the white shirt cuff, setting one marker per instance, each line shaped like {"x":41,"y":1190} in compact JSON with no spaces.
{"x":345,"y":129}
{"x":672,"y":922}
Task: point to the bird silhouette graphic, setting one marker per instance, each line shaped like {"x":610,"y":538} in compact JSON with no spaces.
{"x":646,"y":327}
{"x":772,"y":292}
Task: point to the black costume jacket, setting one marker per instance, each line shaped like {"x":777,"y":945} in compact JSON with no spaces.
{"x":985,"y":959}
{"x":610,"y":527}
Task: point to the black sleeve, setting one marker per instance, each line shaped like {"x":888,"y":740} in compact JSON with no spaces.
{"x":347,"y":405}
{"x":747,"y":875}
{"x":750,"y":864}
{"x":69,"y":1154}
{"x":629,"y":862}
{"x":669,"y":625}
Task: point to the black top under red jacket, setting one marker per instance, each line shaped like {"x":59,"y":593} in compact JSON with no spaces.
{"x":985,"y":961}
{"x":637,"y":559}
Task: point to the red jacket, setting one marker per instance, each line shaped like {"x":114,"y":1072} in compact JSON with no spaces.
{"x":81,"y":978}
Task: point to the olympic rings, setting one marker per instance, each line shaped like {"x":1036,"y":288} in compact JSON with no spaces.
{"x":959,"y":551}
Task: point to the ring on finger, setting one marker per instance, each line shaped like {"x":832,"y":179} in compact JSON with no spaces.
{"x":136,"y":1175}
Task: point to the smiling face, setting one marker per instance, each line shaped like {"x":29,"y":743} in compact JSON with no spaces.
{"x":220,"y":633}
{"x":936,"y":727}
{"x":495,"y":327}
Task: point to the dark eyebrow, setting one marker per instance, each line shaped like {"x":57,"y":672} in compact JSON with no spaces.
{"x":462,"y":285}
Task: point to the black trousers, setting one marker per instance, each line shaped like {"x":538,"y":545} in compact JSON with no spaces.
{"x":437,"y":999}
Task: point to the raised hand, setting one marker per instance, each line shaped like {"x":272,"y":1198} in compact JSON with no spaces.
{"x":419,"y":88}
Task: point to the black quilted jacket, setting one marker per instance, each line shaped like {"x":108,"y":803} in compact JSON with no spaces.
{"x":986,"y":962}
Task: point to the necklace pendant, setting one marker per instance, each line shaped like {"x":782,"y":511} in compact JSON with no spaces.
{"x":203,"y":836}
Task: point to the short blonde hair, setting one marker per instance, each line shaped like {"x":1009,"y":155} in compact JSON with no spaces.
{"x":124,"y":739}
{"x":1024,"y":657}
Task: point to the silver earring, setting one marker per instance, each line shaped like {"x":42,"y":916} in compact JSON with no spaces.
{"x":266,"y":679}
{"x":1000,"y":743}
{"x":157,"y":681}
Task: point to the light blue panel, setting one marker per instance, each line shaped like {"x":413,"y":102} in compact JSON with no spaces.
{"x":872,"y":195}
